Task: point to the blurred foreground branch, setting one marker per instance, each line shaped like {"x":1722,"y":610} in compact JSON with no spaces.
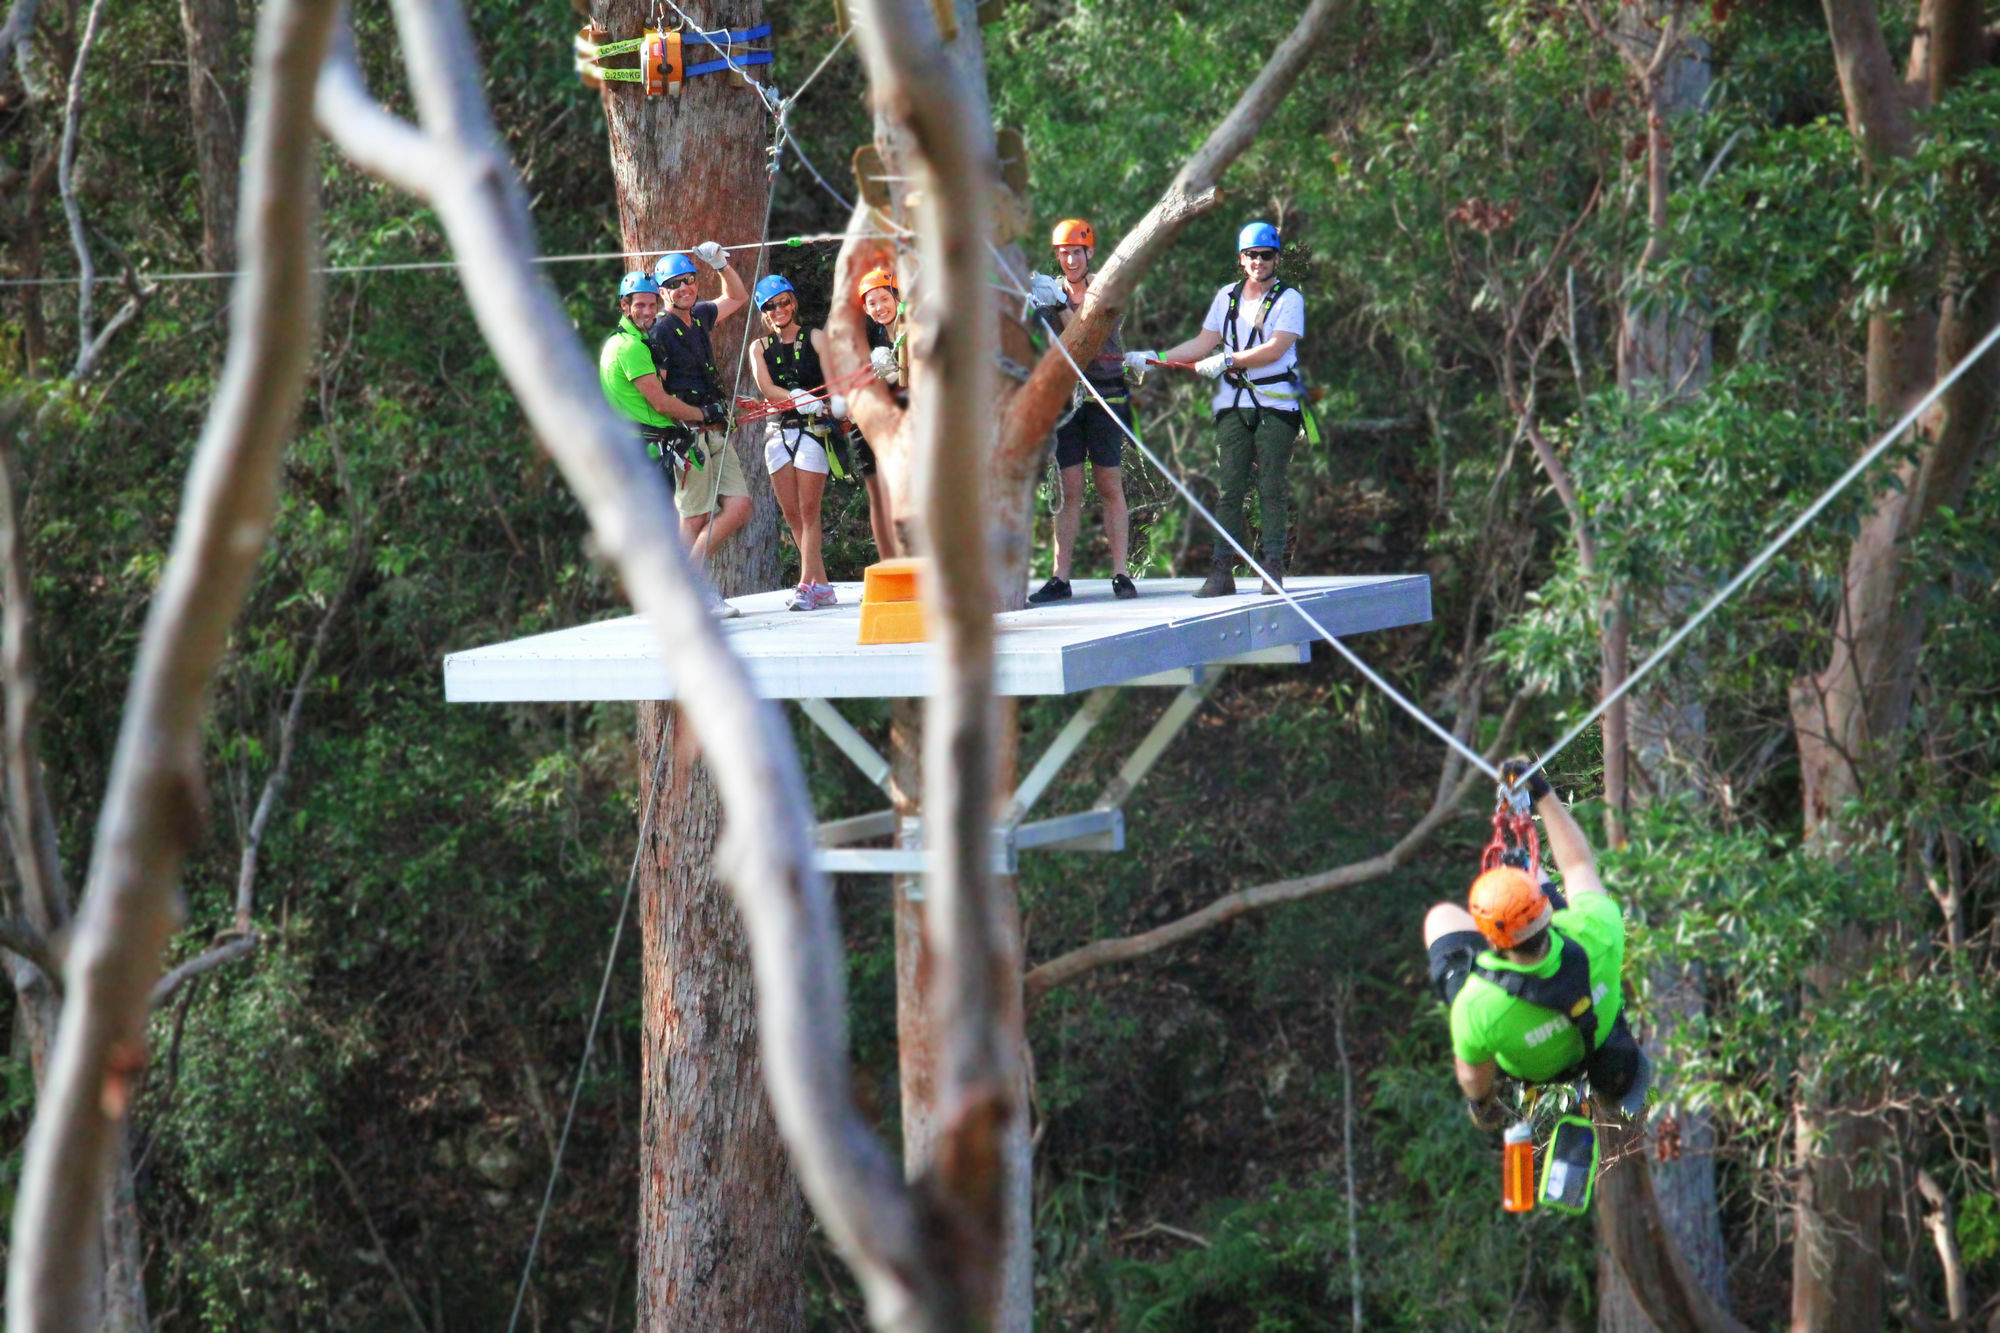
{"x":153,"y":807}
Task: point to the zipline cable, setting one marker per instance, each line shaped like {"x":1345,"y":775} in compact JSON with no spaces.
{"x":1778,"y":543}
{"x":590,"y":1037}
{"x":1471,"y":755}
{"x":425,"y":265}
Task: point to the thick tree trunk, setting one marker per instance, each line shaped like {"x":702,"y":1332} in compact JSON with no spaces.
{"x":1849,"y":717}
{"x":215,"y":99}
{"x":1630,"y":1234}
{"x":721,"y":1222}
{"x":1663,"y":354}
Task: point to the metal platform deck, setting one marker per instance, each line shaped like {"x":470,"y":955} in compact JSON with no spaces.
{"x":1160,"y":637}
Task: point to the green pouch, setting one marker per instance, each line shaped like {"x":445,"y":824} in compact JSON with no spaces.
{"x":1569,"y":1169}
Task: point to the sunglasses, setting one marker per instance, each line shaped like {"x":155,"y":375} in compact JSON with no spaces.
{"x":673,"y":284}
{"x":780,"y":303}
{"x":1260,"y":254}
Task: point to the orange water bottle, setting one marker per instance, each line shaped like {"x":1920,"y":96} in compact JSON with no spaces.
{"x":1517,"y":1168}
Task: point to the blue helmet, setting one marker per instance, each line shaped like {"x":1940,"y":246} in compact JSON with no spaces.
{"x":1257,"y":236}
{"x":770,"y":286}
{"x":673,"y":266}
{"x":638,"y":280}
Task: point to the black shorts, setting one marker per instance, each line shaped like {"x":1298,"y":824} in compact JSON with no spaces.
{"x":1090,"y":432}
{"x":1452,"y":957}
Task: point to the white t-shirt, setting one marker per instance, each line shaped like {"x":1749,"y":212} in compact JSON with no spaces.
{"x":1288,"y":315}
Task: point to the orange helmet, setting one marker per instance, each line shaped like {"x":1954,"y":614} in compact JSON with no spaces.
{"x":1073,"y":231}
{"x":1508,"y":906}
{"x":874,"y":278}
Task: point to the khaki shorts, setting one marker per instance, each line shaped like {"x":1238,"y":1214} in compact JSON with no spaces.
{"x":699,"y":488}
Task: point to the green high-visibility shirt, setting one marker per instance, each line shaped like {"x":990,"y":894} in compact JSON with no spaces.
{"x":626,"y":358}
{"x":1527,"y":1040}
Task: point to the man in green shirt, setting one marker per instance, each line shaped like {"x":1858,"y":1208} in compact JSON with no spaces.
{"x":1545,"y":1002}
{"x":631,"y":380}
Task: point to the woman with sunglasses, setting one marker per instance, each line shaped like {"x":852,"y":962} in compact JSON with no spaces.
{"x":801,"y":443}
{"x":1248,"y":344}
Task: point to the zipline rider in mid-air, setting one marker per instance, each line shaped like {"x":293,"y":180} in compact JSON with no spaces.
{"x":802,"y":444}
{"x":714,"y":496}
{"x":631,"y":380}
{"x":1258,"y":404}
{"x":1090,"y":431}
{"x":1545,"y":1003}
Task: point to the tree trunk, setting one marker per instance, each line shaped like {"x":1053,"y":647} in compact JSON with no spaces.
{"x":1849,"y":717}
{"x":1663,"y":354}
{"x":215,"y":96}
{"x":1630,"y":1235}
{"x":721,"y":1222}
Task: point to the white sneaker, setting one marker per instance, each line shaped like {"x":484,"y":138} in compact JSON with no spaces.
{"x":722,"y":610}
{"x":824,"y":595}
{"x":802,"y":598}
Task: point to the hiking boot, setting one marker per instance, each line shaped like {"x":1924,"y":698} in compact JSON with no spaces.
{"x":1121,"y":587}
{"x":1221,"y":579}
{"x":1274,"y":566}
{"x":1055,"y":590}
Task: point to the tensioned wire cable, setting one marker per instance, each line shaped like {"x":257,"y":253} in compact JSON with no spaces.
{"x":1778,"y":543}
{"x":424,"y":265}
{"x":590,"y":1037}
{"x":1471,"y":755}
{"x":1728,"y":590}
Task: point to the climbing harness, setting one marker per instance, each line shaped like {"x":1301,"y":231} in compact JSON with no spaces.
{"x":1242,"y":381}
{"x":801,"y":370}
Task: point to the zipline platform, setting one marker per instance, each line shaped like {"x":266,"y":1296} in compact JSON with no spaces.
{"x":1164,"y":636}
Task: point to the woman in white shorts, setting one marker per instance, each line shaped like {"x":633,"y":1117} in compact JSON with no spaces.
{"x":800,"y":443}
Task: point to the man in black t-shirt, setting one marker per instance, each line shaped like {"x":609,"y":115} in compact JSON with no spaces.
{"x":713,"y":495}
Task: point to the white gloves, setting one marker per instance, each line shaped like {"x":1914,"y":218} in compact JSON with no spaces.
{"x":836,"y":407}
{"x":712,"y":254}
{"x":1045,"y":293}
{"x":1212,"y":366}
{"x":884,"y":361}
{"x":1141,"y":362}
{"x":805,"y":404}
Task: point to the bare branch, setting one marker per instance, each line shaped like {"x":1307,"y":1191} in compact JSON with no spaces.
{"x":88,"y":355}
{"x":1195,"y":190}
{"x":16,"y":40}
{"x":20,"y":938}
{"x":152,"y":809}
{"x":66,"y":183}
{"x":31,"y":824}
{"x":954,"y":337}
{"x":853,"y":1182}
{"x":1065,"y":968}
{"x":230,"y":945}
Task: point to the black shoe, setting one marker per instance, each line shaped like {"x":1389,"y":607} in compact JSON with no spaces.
{"x":1055,"y":590}
{"x":1121,"y":587}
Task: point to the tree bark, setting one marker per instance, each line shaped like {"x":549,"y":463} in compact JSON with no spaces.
{"x":1663,"y":357}
{"x":214,"y":98}
{"x":721,"y":1223}
{"x":718,"y":1245}
{"x":1630,"y":1232}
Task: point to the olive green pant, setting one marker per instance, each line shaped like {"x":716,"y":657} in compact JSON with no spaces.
{"x":1267,"y":450}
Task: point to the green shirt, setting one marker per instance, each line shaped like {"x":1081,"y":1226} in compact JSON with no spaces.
{"x":1528,"y":1041}
{"x":626,"y":358}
